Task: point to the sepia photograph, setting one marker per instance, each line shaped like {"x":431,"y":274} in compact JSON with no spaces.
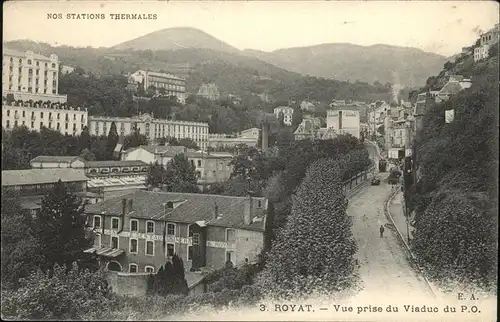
{"x":250,"y":160}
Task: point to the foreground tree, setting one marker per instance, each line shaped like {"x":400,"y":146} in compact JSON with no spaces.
{"x":60,"y":229}
{"x":61,"y":294}
{"x":20,"y":252}
{"x":315,"y":250}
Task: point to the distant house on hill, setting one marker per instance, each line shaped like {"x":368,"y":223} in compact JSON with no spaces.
{"x":209,"y":91}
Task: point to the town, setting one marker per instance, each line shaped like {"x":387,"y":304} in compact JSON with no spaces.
{"x":134,"y":185}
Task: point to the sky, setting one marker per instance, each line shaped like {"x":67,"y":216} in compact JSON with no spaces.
{"x":442,"y":27}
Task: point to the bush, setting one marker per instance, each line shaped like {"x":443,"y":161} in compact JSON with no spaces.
{"x":61,"y":294}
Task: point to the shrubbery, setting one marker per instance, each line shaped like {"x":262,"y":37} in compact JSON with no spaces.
{"x":60,"y":294}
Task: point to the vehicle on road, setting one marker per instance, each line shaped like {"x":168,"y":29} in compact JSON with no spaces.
{"x":375,"y":181}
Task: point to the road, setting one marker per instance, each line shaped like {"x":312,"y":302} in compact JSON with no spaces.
{"x":384,"y":269}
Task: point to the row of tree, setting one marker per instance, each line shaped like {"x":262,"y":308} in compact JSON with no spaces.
{"x":314,"y":251}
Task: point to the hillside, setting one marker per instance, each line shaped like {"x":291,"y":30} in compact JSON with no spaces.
{"x":381,"y":63}
{"x":233,"y":73}
{"x":342,"y":61}
{"x":175,"y":39}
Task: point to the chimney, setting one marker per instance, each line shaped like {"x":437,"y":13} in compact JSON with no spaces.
{"x":123,"y":214}
{"x":216,"y":211}
{"x":248,"y":210}
{"x":265,"y":137}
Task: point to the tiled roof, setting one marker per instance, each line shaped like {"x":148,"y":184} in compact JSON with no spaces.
{"x":128,"y":163}
{"x":40,"y":176}
{"x":55,"y":158}
{"x":193,"y":208}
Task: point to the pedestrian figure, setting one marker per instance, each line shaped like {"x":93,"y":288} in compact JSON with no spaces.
{"x":381,"y":231}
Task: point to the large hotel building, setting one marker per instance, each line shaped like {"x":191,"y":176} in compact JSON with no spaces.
{"x":172,"y":85}
{"x":151,"y":127}
{"x":30,"y":95}
{"x":27,"y":75}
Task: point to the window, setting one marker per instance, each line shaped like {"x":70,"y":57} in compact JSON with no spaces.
{"x":150,"y":247}
{"x":53,"y":65}
{"x":115,"y":222}
{"x":199,"y":163}
{"x":29,"y":61}
{"x":97,"y":221}
{"x":98,"y":240}
{"x":133,"y":245}
{"x":196,"y":239}
{"x":114,"y":242}
{"x":132,"y":268}
{"x":230,"y":235}
{"x":134,"y":225}
{"x":8,"y":112}
{"x":150,"y":227}
{"x":149,"y":269}
{"x":24,"y":114}
{"x":190,"y":253}
{"x":171,"y":229}
{"x":259,"y":204}
{"x":170,"y":249}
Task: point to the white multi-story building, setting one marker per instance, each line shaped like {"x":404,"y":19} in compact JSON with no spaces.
{"x":344,"y":121}
{"x":486,"y":41}
{"x":34,"y":116}
{"x":152,"y":128}
{"x":287,"y":114}
{"x":31,"y":76}
{"x":172,"y":85}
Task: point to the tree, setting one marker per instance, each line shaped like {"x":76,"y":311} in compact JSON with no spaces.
{"x":169,"y":279}
{"x":315,"y":250}
{"x":157,"y":175}
{"x":60,"y":228}
{"x":84,"y":140}
{"x":188,"y":143}
{"x":59,"y":295}
{"x":281,"y":119}
{"x":134,"y":139}
{"x":112,"y":140}
{"x":87,"y":155}
{"x":20,"y":252}
{"x":180,"y":175}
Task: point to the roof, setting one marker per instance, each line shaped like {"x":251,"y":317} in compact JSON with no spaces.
{"x":450,"y":88}
{"x":18,"y":53}
{"x":161,"y":149}
{"x":40,"y":176}
{"x":193,"y":207}
{"x":125,"y":181}
{"x":128,"y":163}
{"x":55,"y":158}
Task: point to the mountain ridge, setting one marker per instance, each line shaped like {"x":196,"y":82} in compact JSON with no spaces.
{"x":340,"y":61}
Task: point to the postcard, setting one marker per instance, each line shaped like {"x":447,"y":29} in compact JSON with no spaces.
{"x":250,"y":160}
